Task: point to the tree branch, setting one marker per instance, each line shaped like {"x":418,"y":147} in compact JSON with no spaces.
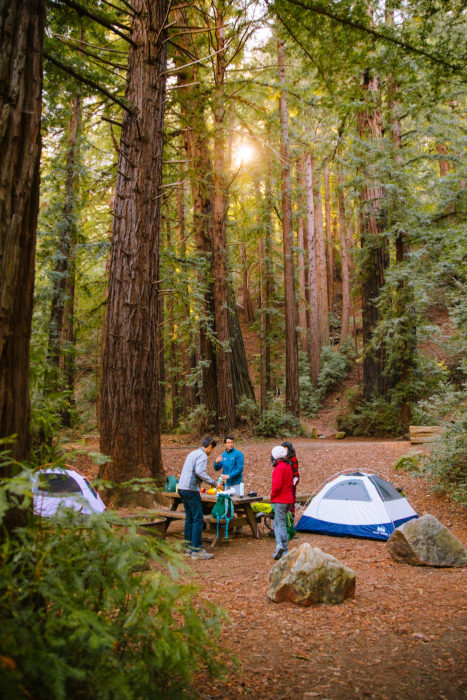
{"x":89,"y":82}
{"x":313,"y":7}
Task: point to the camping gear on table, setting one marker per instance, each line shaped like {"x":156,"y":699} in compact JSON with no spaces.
{"x":358,"y":504}
{"x":57,"y":487}
{"x":223,"y":510}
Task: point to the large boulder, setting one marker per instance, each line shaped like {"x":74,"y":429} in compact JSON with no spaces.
{"x":307,"y":575}
{"x":426,"y":542}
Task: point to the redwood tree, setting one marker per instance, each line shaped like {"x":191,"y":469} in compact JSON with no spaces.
{"x":129,"y":411}
{"x":21,"y":41}
{"x":291,"y":342}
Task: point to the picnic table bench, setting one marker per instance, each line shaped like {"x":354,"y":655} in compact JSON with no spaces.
{"x":244,"y":515}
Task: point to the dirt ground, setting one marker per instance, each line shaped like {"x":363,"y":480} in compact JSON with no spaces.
{"x":404,"y":634}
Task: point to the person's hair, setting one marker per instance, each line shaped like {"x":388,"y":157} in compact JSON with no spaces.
{"x":209,"y":442}
{"x":290,"y":448}
{"x":229,"y":437}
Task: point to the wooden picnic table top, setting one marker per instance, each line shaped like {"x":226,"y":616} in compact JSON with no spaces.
{"x":212,"y":498}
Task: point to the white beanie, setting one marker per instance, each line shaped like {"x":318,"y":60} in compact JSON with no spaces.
{"x":278,"y":452}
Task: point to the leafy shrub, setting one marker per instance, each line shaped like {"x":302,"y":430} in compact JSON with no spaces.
{"x":247,"y":411}
{"x":83,"y":615}
{"x":378,"y":418}
{"x":275,"y":421}
{"x":335,"y":364}
{"x":447,"y":464}
{"x":410,"y":463}
{"x":198,"y":421}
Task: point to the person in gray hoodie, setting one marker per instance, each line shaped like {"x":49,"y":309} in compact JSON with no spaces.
{"x":193,"y":473}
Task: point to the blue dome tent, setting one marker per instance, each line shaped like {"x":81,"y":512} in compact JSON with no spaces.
{"x":356,"y":504}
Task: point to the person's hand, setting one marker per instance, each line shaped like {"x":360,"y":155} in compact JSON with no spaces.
{"x":225,"y":477}
{"x":218,"y":459}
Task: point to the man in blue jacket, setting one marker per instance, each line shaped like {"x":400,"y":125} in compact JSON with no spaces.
{"x":231,"y":462}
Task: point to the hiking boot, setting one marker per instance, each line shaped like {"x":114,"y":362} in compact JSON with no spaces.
{"x":188,"y":552}
{"x":202,"y":554}
{"x":278,"y":553}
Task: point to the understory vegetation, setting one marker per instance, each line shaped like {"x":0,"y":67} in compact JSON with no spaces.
{"x":89,"y":609}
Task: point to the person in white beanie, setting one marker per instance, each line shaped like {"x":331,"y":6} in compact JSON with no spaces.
{"x":281,"y":497}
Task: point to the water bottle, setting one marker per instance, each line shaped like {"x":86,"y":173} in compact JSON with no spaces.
{"x":242,"y":490}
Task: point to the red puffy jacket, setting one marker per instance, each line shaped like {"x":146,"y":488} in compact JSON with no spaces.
{"x":282,"y":483}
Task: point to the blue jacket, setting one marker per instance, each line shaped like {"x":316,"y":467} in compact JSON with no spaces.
{"x":231,"y":464}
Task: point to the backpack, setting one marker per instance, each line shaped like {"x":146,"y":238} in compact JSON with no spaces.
{"x":223,"y":509}
{"x":171,"y":484}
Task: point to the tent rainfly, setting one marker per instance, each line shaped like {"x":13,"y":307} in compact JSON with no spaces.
{"x":356,"y":504}
{"x":56,"y":488}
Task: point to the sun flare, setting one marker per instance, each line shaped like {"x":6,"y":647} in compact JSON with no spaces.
{"x":244,"y":153}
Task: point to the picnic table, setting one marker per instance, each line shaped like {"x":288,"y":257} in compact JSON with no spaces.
{"x":244,"y":514}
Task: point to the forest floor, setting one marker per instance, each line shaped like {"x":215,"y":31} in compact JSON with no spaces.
{"x":402,"y":636}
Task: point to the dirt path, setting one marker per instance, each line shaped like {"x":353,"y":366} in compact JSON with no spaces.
{"x":402,"y":637}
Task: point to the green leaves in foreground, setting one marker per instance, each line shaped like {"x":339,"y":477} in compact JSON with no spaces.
{"x":89,"y":612}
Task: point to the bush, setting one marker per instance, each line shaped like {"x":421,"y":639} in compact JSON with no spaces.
{"x":82,"y":615}
{"x":335,"y":364}
{"x":247,"y":411}
{"x":447,"y":464}
{"x":275,"y":421}
{"x":378,"y":418}
{"x":198,"y":421}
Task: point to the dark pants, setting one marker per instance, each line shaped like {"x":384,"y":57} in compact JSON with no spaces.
{"x":194,"y":520}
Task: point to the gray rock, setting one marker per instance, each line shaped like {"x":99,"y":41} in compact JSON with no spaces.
{"x":307,"y":575}
{"x":426,"y":542}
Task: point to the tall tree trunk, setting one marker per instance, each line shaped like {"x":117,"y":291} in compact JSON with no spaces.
{"x":161,"y":374}
{"x":291,"y":345}
{"x":189,"y":362}
{"x":314,"y":339}
{"x":241,"y":383}
{"x":62,"y":306}
{"x":21,"y":39}
{"x":262,"y":328}
{"x":247,"y":303}
{"x":404,"y":303}
{"x":321,"y":270}
{"x":345,"y":320}
{"x":202,"y":186}
{"x":329,"y":242}
{"x":129,"y":415}
{"x":268,"y":274}
{"x":225,"y":395}
{"x":373,"y":243}
{"x":302,"y":240}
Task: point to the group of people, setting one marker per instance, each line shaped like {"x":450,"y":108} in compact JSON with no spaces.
{"x":285,"y":477}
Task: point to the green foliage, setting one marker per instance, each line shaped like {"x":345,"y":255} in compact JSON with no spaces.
{"x":89,"y":612}
{"x":247,"y":411}
{"x":335,"y":365}
{"x":412,"y":462}
{"x":378,"y":418}
{"x":447,"y":464}
{"x":275,"y":421}
{"x":198,"y":421}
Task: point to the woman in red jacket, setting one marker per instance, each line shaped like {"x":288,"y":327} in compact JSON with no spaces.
{"x":292,"y":457}
{"x":281,"y":497}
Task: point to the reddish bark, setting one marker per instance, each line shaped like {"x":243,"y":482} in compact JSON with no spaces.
{"x":321,"y":271}
{"x":291,"y":344}
{"x":129,"y":415}
{"x":225,"y":394}
{"x":314,"y":338}
{"x":373,"y":243}
{"x":21,"y":40}
{"x":329,"y":241}
{"x":345,"y":320}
